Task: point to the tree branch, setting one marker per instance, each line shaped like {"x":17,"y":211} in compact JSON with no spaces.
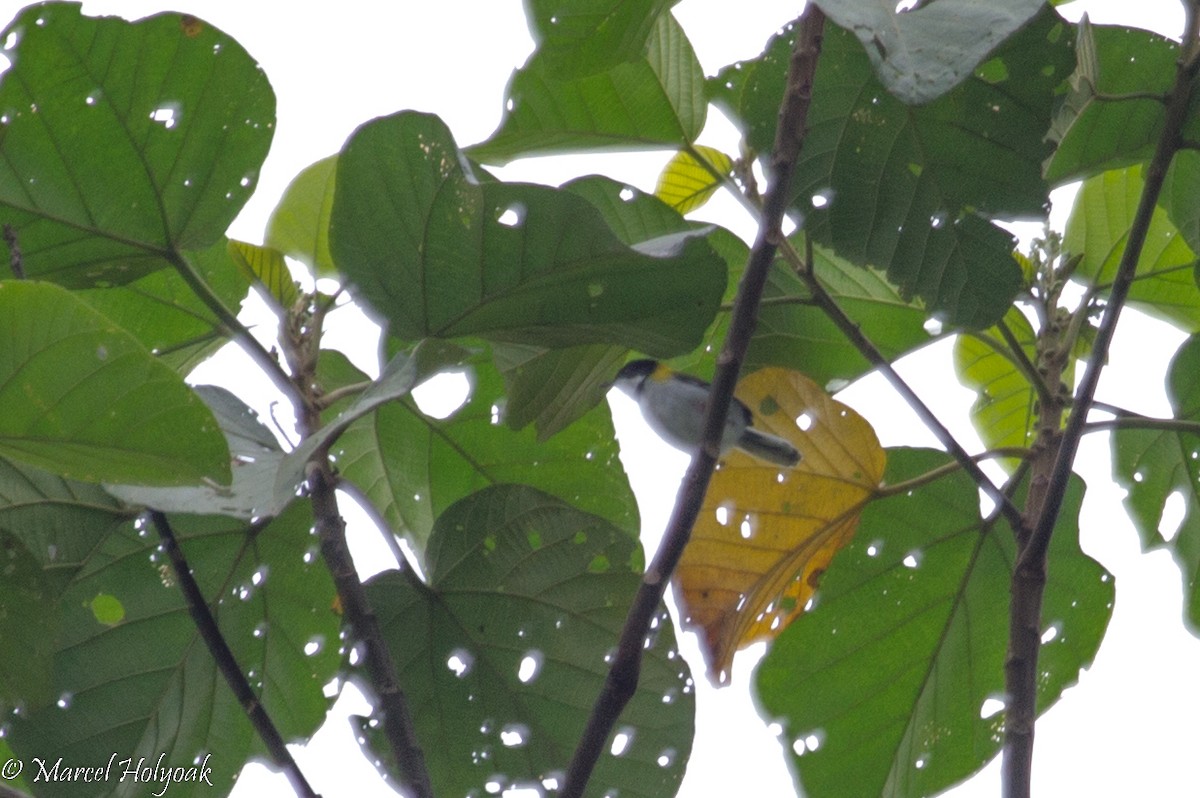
{"x":226,"y":663}
{"x":855,"y":336}
{"x":623,"y":675}
{"x":15,"y":261}
{"x":1029,"y":578}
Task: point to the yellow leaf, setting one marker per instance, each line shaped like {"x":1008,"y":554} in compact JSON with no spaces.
{"x":266,"y":266}
{"x":765,"y":534}
{"x":686,"y":183}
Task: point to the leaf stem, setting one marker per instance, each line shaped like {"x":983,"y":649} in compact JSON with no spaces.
{"x":226,"y":663}
{"x":1029,"y":577}
{"x":884,"y":491}
{"x":623,"y":674}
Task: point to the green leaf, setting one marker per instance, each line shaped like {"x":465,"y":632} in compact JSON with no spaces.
{"x":299,"y":225}
{"x":148,"y":686}
{"x":893,"y":667}
{"x":122,"y":142}
{"x":1098,"y":229}
{"x":256,"y":457}
{"x":1102,"y":126}
{"x":165,"y":314}
{"x":438,"y":254}
{"x":504,"y":651}
{"x":82,"y":398}
{"x":28,"y":621}
{"x":655,"y":100}
{"x":793,"y":334}
{"x":1153,"y":464}
{"x":933,"y":174}
{"x":1005,"y":408}
{"x":687,"y":182}
{"x":551,"y":388}
{"x":266,"y":267}
{"x":412,"y":467}
{"x":59,"y":521}
{"x":1179,"y":197}
{"x":921,"y":54}
{"x":583,"y":37}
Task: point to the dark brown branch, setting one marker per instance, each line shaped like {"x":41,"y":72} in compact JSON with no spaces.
{"x":15,"y":262}
{"x":623,"y":675}
{"x":364,"y":628}
{"x":226,"y":663}
{"x":1029,"y":578}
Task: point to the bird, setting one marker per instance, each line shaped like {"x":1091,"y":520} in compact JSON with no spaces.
{"x":673,"y":404}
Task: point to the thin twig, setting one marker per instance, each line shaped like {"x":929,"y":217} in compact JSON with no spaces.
{"x":15,"y":262}
{"x":623,"y":674}
{"x":1022,"y":361}
{"x":1029,"y":578}
{"x":226,"y":663}
{"x":895,"y":489}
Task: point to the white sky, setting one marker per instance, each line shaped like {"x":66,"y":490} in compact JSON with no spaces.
{"x":1127,"y":729}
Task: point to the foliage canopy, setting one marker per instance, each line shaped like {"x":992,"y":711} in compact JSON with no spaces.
{"x":177,"y":580}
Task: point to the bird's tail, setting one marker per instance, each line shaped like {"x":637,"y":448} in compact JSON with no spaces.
{"x":768,"y":447}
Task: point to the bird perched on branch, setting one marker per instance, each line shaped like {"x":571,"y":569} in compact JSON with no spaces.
{"x":673,"y":404}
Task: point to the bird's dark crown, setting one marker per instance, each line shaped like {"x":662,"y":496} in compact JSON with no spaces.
{"x":637,"y":369}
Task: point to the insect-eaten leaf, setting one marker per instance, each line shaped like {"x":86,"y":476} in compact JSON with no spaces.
{"x":766,"y":534}
{"x":688,"y":181}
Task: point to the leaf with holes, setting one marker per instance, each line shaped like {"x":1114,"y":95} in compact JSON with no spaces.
{"x":123,"y":142}
{"x":1098,"y":228}
{"x":935,"y":174}
{"x":443,"y":460}
{"x":1155,"y":464}
{"x":504,"y":650}
{"x":82,"y":398}
{"x":765,"y":534}
{"x":922,"y":53}
{"x":299,"y":225}
{"x":439,"y":254}
{"x":133,"y":676}
{"x":688,"y":181}
{"x":893,"y":683}
{"x":653,"y":100}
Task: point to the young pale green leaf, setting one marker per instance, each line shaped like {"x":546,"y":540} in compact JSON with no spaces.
{"x":584,"y":37}
{"x":84,"y":399}
{"x":123,"y":142}
{"x":145,"y":685}
{"x":654,"y":100}
{"x":687,"y":182}
{"x":1005,"y":408}
{"x":506,"y":648}
{"x":893,"y":683}
{"x":1098,"y":229}
{"x":441,"y":255}
{"x":413,"y":467}
{"x":933,"y":174}
{"x":1115,"y":114}
{"x":165,"y":314}
{"x":299,"y":225}
{"x":552,"y":388}
{"x":266,"y":267}
{"x":1154,"y":464}
{"x":921,"y":54}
